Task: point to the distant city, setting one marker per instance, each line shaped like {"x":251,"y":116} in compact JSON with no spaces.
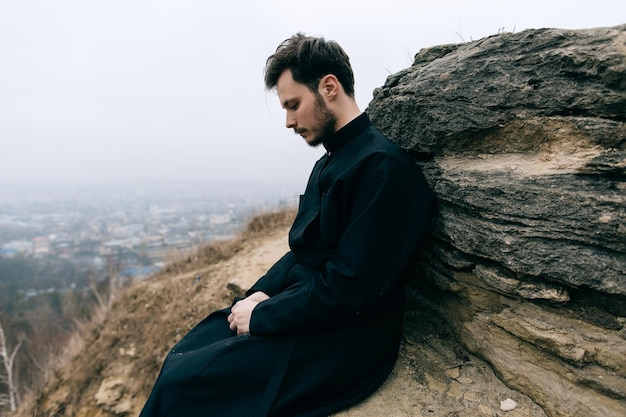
{"x":135,"y":227}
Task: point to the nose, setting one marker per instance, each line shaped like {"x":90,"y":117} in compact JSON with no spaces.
{"x":290,"y":121}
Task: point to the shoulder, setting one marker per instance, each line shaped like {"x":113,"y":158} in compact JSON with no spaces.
{"x":377,"y":145}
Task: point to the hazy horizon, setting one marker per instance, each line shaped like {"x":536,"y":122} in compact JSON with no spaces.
{"x":158,"y":91}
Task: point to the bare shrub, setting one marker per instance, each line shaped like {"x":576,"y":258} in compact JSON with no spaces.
{"x":7,"y":355}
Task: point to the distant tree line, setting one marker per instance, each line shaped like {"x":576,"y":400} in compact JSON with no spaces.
{"x":39,"y":311}
{"x":22,"y":273}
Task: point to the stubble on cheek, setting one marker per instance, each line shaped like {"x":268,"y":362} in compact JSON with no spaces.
{"x":326,"y":122}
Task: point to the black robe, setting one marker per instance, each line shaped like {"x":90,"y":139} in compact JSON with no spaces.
{"x":330,"y":333}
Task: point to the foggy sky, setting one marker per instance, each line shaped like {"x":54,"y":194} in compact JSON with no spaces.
{"x":153,"y":90}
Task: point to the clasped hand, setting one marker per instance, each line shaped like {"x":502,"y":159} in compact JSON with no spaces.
{"x":241,"y":312}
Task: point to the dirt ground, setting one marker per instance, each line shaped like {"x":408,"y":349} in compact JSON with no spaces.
{"x":434,"y":376}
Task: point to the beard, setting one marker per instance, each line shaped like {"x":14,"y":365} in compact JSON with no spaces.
{"x":326,"y":121}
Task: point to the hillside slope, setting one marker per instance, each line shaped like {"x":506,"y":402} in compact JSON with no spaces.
{"x":113,"y":372}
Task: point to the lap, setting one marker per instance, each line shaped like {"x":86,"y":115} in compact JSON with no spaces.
{"x":213,"y":369}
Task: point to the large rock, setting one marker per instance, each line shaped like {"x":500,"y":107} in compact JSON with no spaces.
{"x":523,"y":138}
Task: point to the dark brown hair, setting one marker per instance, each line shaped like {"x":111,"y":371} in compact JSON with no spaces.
{"x":309,"y":59}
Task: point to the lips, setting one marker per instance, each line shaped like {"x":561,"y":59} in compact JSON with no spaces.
{"x":300,"y":132}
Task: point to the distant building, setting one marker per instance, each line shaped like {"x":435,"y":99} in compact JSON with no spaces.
{"x":41,"y":246}
{"x":18,"y":246}
{"x":7,"y":252}
{"x":216,"y":219}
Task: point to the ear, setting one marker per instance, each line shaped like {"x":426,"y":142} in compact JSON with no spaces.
{"x":329,"y":87}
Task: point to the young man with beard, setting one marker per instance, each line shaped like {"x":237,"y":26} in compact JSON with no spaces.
{"x":321,"y":330}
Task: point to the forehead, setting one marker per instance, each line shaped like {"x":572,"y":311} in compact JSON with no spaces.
{"x":288,"y":89}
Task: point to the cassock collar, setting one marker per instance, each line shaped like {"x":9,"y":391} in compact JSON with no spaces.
{"x":349,"y":131}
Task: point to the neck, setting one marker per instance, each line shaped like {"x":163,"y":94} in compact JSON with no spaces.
{"x":345,"y":110}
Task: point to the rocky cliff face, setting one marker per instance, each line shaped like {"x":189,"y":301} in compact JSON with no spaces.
{"x":523,"y":138}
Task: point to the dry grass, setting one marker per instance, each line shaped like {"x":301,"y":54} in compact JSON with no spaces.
{"x":269,"y":221}
{"x":223,"y":250}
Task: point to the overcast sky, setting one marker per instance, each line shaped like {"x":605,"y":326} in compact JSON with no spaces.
{"x":154,"y":90}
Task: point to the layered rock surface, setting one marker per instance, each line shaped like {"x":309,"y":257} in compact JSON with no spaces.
{"x":523,"y":138}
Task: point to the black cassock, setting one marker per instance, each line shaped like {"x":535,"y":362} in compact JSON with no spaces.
{"x":330,"y":333}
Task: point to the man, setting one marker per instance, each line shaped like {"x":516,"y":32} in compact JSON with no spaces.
{"x":321,"y":330}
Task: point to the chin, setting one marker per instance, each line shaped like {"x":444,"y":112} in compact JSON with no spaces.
{"x":315,"y":141}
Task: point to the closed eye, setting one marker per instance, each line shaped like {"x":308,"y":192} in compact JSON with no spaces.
{"x":291,"y":105}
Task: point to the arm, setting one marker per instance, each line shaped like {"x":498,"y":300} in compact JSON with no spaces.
{"x":274,"y":281}
{"x":389,"y":214}
{"x":271,"y":283}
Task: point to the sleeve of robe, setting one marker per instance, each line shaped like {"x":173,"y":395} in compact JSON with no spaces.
{"x":276,"y":277}
{"x":388,"y":217}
